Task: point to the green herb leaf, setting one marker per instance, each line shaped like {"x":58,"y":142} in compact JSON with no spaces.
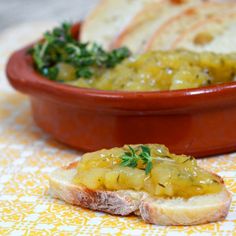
{"x":148,"y":167}
{"x":51,"y":72}
{"x":130,"y":159}
{"x":145,"y":155}
{"x":145,"y":151}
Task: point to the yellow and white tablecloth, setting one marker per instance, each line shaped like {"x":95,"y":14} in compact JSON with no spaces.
{"x":28,"y":155}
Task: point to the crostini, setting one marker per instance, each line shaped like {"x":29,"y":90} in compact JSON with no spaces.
{"x":145,"y":180}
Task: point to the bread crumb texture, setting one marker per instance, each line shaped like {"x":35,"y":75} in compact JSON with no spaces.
{"x":28,"y":156}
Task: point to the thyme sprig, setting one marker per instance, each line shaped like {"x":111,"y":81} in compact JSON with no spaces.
{"x":131,"y":158}
{"x":59,"y":45}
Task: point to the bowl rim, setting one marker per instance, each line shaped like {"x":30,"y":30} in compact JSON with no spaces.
{"x":22,"y":75}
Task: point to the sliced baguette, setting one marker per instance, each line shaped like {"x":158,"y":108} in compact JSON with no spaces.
{"x":160,"y":211}
{"x":216,"y":34}
{"x":165,"y":36}
{"x":137,"y":33}
{"x":108,"y":19}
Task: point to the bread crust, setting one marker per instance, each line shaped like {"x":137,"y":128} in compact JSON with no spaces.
{"x":160,"y":211}
{"x":180,"y":215}
{"x":117,"y":203}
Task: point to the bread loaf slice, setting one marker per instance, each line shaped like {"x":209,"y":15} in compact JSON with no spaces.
{"x":215,"y":34}
{"x":151,"y":17}
{"x":170,"y":34}
{"x":161,"y":211}
{"x":108,"y":19}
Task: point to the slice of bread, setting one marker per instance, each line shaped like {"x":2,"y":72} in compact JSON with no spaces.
{"x":171,"y":32}
{"x":161,"y":211}
{"x":215,"y":34}
{"x":138,"y":32}
{"x":107,"y":20}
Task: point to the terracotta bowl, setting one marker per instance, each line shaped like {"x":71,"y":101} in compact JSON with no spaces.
{"x":199,"y":121}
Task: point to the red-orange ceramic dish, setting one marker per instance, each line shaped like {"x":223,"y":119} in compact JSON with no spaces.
{"x":199,"y":121}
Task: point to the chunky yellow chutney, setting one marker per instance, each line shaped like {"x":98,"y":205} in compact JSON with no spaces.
{"x":158,"y":70}
{"x":168,"y":174}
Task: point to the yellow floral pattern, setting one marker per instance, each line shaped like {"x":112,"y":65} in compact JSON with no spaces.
{"x":28,"y":155}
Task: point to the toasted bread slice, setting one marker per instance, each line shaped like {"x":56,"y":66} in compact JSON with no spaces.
{"x":108,"y":19}
{"x":161,"y":211}
{"x":167,"y":36}
{"x":137,"y":33}
{"x":215,"y":34}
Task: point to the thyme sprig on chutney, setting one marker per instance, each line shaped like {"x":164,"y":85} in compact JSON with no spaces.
{"x":131,"y":158}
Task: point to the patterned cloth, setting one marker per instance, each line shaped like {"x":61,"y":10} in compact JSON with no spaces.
{"x":28,"y":155}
